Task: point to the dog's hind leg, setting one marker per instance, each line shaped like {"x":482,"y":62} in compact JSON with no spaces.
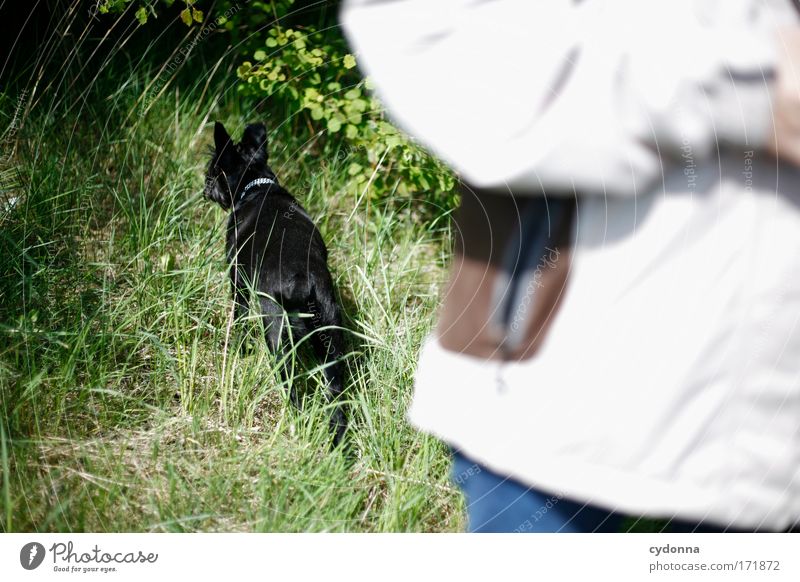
{"x":328,"y":344}
{"x":241,"y":309}
{"x":277,"y":337}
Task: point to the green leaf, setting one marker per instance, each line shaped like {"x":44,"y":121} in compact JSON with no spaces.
{"x":141,"y":15}
{"x":393,"y":141}
{"x":244,"y":69}
{"x":334,"y":125}
{"x":271,"y":42}
{"x":197,"y":15}
{"x":259,"y":55}
{"x":317,"y":113}
{"x":186,"y":17}
{"x":349,"y":61}
{"x":351,"y":131}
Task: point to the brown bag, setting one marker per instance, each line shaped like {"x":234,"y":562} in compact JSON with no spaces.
{"x":509,"y":273}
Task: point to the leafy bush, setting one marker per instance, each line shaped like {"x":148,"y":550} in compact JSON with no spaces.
{"x":298,"y":63}
{"x":315,"y":77}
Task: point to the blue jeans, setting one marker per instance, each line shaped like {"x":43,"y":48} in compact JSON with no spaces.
{"x":500,"y":504}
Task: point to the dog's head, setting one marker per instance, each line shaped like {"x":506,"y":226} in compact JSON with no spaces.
{"x":232,"y":164}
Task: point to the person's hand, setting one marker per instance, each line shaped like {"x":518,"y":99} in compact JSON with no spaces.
{"x":784,"y":140}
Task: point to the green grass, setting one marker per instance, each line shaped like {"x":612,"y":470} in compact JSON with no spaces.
{"x":125,"y":404}
{"x":125,"y":401}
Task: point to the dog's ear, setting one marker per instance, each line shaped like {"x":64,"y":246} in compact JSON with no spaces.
{"x":222,"y":141}
{"x":224,"y":168}
{"x":254,"y":143}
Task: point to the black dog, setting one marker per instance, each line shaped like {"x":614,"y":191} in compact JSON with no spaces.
{"x":275,"y":249}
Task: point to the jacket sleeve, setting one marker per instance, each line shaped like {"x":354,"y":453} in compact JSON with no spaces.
{"x":671,"y":79}
{"x":703,"y":78}
{"x":559,"y":95}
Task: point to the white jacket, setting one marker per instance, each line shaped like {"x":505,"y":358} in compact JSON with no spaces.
{"x":668,"y":383}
